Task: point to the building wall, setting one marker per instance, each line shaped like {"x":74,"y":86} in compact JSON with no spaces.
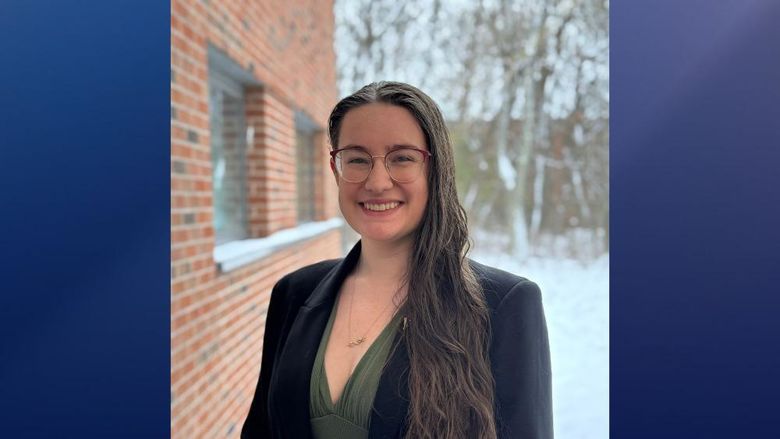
{"x":217,"y":318}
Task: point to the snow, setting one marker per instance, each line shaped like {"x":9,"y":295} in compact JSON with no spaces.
{"x":576,"y":303}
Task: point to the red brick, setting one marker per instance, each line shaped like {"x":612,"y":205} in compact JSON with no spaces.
{"x":208,"y":308}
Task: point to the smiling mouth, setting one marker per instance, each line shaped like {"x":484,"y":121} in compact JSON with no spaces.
{"x":381,"y":207}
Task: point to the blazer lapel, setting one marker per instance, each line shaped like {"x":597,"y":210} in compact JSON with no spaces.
{"x":391,"y":402}
{"x":291,"y":406}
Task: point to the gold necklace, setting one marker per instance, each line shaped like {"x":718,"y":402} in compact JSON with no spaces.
{"x":356,"y":341}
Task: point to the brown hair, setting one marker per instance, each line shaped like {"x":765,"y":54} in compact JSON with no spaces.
{"x":451,"y":385}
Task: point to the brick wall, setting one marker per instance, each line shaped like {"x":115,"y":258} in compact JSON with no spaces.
{"x":217,"y":318}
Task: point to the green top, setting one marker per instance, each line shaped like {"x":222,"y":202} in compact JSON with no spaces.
{"x":350,"y":417}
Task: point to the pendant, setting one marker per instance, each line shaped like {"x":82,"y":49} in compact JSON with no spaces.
{"x":356,"y":342}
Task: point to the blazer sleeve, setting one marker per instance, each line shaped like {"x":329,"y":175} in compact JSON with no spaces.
{"x":257,"y":424}
{"x":521,"y":365}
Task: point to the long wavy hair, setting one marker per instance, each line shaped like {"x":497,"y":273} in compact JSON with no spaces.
{"x":451,"y":385}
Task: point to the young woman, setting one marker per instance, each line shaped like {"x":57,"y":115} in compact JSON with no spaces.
{"x":405,"y":337}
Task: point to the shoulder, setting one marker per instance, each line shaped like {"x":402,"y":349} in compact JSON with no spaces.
{"x":500,"y":286}
{"x":294,"y":289}
{"x":519,"y":353}
{"x":306,"y":278}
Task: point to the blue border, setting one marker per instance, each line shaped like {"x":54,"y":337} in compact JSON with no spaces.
{"x":84,"y":311}
{"x":695,"y":219}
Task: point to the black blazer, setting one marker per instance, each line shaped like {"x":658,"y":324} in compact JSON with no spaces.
{"x":301,"y":303}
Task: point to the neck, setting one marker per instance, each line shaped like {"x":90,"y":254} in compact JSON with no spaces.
{"x":384,"y":262}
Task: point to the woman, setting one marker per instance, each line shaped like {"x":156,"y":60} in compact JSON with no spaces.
{"x":405,"y":337}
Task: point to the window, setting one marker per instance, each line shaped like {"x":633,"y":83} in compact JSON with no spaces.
{"x":305,"y":164}
{"x":228,"y":150}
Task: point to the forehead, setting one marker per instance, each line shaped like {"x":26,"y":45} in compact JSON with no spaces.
{"x":380,"y":126}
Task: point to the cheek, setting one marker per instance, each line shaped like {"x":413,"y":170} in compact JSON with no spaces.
{"x":421,"y":198}
{"x":342,"y":196}
{"x":346,"y":194}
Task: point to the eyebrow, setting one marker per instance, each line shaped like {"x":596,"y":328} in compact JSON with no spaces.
{"x":387,"y":148}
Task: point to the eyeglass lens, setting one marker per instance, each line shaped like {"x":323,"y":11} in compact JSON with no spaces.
{"x":404,"y":165}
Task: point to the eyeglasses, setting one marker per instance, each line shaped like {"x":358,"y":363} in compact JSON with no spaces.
{"x":403,"y":165}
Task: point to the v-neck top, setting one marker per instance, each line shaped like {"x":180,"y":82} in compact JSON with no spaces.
{"x":350,"y":417}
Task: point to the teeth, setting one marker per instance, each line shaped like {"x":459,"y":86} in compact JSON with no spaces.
{"x":381,"y":207}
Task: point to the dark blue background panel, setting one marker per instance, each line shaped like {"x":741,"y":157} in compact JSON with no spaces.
{"x":695,"y":218}
{"x":84,"y":150}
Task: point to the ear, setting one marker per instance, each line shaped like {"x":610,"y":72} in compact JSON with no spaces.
{"x":333,"y":169}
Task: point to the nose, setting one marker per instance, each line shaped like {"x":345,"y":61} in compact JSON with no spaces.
{"x":378,"y":179}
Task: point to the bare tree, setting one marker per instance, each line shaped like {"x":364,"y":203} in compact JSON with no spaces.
{"x":524,"y":86}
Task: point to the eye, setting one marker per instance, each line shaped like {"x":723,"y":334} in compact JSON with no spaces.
{"x":404,"y":157}
{"x":354,"y":157}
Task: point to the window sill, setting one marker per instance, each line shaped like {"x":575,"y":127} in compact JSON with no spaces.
{"x":232,"y":255}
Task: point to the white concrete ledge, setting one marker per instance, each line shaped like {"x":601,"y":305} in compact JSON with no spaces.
{"x":232,"y":255}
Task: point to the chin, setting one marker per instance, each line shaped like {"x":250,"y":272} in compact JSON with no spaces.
{"x":379,"y":236}
{"x":387,"y":237}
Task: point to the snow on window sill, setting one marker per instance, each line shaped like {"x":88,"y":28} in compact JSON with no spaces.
{"x":232,"y":255}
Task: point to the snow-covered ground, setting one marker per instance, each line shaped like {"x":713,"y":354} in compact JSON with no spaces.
{"x":576,"y":302}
